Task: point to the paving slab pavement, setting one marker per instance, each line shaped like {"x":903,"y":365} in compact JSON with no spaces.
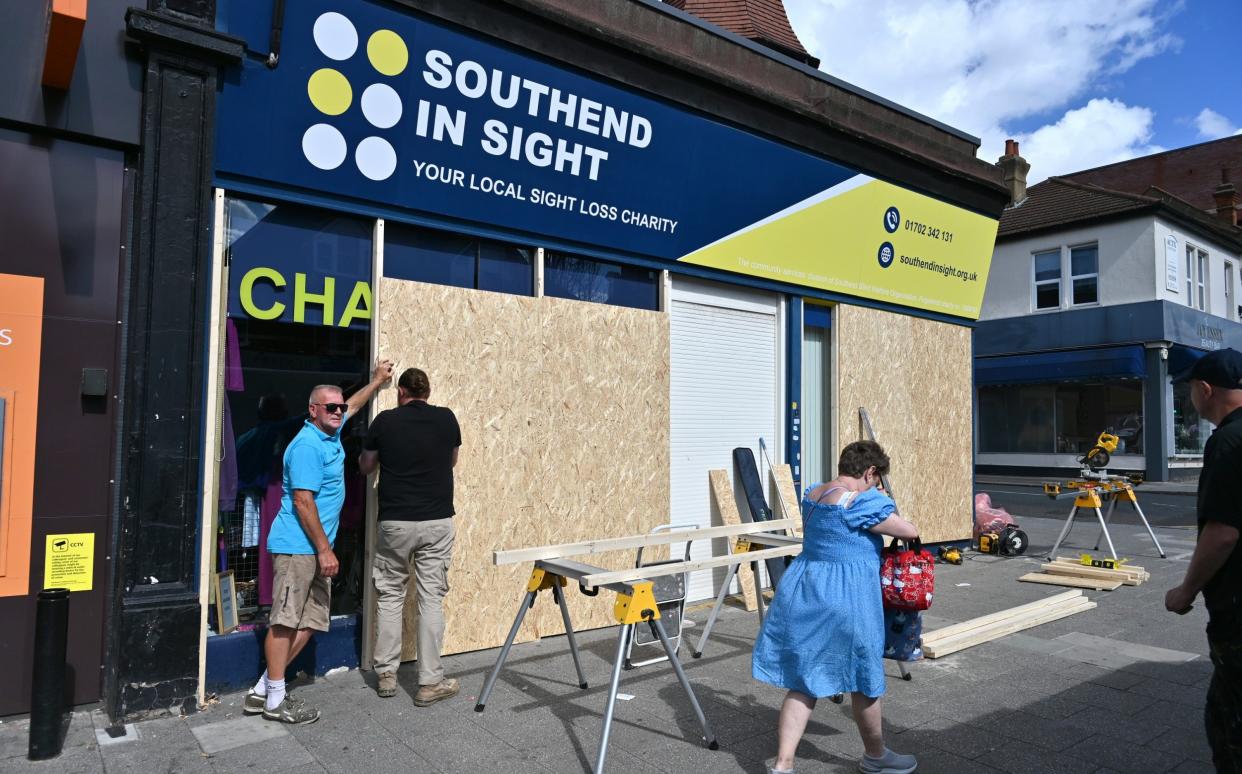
{"x":1116,"y":689}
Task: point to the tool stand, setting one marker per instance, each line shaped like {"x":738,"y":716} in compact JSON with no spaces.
{"x":636,"y":604}
{"x":1092,"y":497}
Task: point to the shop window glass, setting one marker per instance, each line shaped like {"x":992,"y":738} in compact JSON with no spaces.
{"x":294,"y":264}
{"x":1060,"y":418}
{"x":1016,"y":419}
{"x":1048,"y":279}
{"x":506,"y":268}
{"x":431,"y":256}
{"x":586,"y":279}
{"x":1083,"y":411}
{"x":1190,"y":431}
{"x":442,"y":258}
{"x":300,"y":320}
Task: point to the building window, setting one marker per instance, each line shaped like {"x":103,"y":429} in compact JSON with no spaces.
{"x":1048,"y":280}
{"x":1196,"y":278}
{"x":1190,"y":431}
{"x":441,"y":258}
{"x":1060,"y":418}
{"x":1085,"y":274}
{"x":586,"y":279}
{"x":1231,"y":307}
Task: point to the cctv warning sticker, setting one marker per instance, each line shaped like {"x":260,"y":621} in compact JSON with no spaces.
{"x":70,"y":562}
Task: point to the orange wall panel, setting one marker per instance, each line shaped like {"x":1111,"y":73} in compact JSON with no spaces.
{"x":21,"y":330}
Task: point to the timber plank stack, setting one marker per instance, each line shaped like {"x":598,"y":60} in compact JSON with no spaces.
{"x":977,"y":631}
{"x":1066,"y":571}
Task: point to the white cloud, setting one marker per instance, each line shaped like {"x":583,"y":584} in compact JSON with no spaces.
{"x":981,"y":64}
{"x":1101,"y":132}
{"x":1213,"y":126}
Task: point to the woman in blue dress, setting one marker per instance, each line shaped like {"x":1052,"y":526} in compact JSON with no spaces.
{"x":824,"y":633}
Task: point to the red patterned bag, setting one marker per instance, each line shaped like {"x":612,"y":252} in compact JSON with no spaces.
{"x":907,"y":576}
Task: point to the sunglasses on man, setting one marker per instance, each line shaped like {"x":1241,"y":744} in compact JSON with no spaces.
{"x":333,"y":408}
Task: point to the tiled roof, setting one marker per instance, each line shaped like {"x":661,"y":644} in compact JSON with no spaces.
{"x":763,"y":21}
{"x":1058,"y":202}
{"x":1190,"y":173}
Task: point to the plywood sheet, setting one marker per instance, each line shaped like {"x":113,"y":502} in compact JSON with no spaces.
{"x":724,"y":511}
{"x":914,"y":377}
{"x":563,"y":407}
{"x":784,"y":496}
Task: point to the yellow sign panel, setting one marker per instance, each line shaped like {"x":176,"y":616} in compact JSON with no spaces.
{"x":870,"y":239}
{"x":70,"y":562}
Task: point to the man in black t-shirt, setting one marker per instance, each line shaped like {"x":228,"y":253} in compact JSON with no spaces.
{"x":1216,"y":567}
{"x":415,"y":448}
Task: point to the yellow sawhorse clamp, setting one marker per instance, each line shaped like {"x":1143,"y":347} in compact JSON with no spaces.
{"x":635,"y":605}
{"x":1091,"y":494}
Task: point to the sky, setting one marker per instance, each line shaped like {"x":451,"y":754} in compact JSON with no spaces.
{"x":1079,"y":83}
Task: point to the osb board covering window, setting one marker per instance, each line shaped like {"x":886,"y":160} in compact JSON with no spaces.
{"x":564,"y":413}
{"x":913,"y":376}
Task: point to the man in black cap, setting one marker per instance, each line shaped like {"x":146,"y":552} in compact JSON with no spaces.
{"x":1216,"y":567}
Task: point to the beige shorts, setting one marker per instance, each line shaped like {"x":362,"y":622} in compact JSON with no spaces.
{"x":301,"y":597}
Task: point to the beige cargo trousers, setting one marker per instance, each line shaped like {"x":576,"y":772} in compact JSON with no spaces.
{"x":427,"y":548}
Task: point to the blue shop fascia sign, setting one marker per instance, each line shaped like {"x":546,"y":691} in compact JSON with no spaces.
{"x":387,"y":108}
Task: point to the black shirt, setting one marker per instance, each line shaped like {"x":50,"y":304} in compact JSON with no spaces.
{"x":1220,"y":500}
{"x":415,"y":444}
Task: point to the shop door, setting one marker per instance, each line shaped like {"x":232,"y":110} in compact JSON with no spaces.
{"x":724,"y":394}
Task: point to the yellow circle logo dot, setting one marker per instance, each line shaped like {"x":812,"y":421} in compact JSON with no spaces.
{"x":387,"y":52}
{"x":329,"y":91}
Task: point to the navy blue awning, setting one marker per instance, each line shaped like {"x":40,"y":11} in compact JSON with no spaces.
{"x":1074,"y":365}
{"x":1182,"y":358}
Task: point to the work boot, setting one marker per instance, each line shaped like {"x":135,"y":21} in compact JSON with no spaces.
{"x":888,"y":763}
{"x":430,"y":694}
{"x":387,"y":687}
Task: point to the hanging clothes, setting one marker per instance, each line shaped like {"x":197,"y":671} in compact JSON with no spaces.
{"x":228,"y":465}
{"x":233,"y":381}
{"x":251,"y":518}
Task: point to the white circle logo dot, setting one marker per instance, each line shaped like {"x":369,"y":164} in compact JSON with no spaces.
{"x":381,"y":106}
{"x":375,"y":158}
{"x":336,"y":37}
{"x":324,"y":146}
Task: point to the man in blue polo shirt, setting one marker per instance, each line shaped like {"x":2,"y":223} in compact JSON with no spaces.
{"x":301,"y":540}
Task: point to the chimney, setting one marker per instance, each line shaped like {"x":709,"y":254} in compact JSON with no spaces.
{"x":1226,"y":196}
{"x":1014,"y":168}
{"x":762,"y":21}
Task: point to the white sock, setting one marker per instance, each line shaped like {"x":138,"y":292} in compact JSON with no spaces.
{"x":260,"y":688}
{"x":275,"y":693}
{"x":887,"y":752}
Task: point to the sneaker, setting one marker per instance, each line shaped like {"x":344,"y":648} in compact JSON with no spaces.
{"x":293,"y":711}
{"x":889,"y":763}
{"x":255,"y":704}
{"x":430,"y":694}
{"x":387,"y":686}
{"x":773,"y":770}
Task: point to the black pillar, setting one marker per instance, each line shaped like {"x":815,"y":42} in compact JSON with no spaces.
{"x":151,"y":661}
{"x":1155,"y":423}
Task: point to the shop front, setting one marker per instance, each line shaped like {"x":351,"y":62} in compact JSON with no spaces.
{"x":612,"y":285}
{"x":621,"y":241}
{"x":1048,"y":385}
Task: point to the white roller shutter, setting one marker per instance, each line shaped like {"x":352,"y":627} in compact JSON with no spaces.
{"x":724,"y":394}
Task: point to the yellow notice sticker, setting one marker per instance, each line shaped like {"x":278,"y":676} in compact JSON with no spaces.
{"x":70,"y":561}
